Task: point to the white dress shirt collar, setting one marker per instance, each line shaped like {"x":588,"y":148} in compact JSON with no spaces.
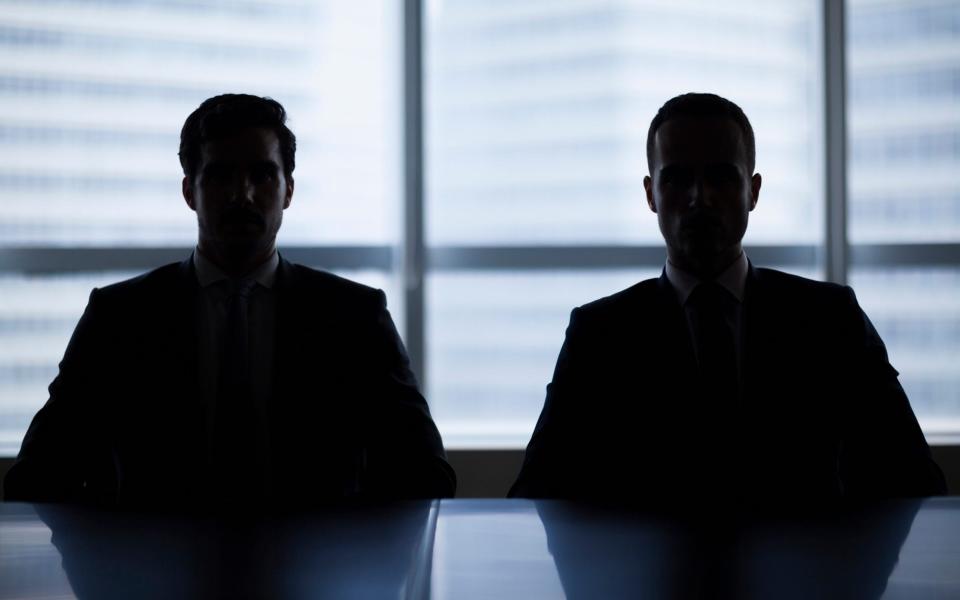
{"x":209,"y":273}
{"x":733,"y":278}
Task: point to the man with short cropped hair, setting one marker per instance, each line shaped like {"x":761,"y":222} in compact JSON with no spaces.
{"x":235,"y":376}
{"x":720,"y":381}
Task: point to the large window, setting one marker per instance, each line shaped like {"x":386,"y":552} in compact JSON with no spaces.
{"x":534,"y":119}
{"x":92,"y":98}
{"x":537,"y":116}
{"x":904,"y":169}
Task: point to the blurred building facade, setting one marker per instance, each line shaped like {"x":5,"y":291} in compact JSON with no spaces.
{"x":535,"y":118}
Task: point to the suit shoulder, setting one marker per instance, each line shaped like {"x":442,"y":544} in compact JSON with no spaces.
{"x":627,"y":299}
{"x":800,"y":289}
{"x":144,"y":283}
{"x":638,"y":292}
{"x":333,"y":286}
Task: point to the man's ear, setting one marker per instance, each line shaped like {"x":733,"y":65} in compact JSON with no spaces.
{"x":187,"y":189}
{"x":755,"y":183}
{"x":289,"y":197}
{"x":648,"y":188}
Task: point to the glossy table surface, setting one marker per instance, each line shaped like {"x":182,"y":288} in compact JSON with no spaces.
{"x":499,"y":549}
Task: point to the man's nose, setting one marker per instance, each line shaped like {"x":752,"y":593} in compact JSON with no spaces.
{"x":700,"y":192}
{"x":241,"y":189}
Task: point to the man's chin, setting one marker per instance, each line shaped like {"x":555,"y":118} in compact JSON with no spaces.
{"x":240,"y":245}
{"x":248,"y":229}
{"x":703,"y":248}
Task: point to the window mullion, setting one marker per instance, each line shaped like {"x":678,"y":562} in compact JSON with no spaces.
{"x":835,"y":136}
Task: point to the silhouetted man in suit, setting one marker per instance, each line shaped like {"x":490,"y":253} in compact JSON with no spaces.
{"x":718,"y":380}
{"x":233,"y":376}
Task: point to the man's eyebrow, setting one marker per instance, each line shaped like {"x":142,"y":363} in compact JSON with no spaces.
{"x":713,"y":165}
{"x":213,"y":164}
{"x":266,"y":162}
{"x":672,"y":168}
{"x":725,"y":165}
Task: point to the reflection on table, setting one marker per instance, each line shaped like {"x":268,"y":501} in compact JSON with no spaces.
{"x":616,"y":554}
{"x":368,"y":552}
{"x":494,"y":549}
{"x":465,"y":549}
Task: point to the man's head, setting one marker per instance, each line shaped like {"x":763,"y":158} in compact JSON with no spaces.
{"x":701,"y":155}
{"x":237,"y":156}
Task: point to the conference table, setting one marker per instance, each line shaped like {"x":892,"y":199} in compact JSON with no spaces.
{"x":500,"y":549}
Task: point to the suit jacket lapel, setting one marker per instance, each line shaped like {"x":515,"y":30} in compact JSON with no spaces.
{"x":673,"y":333}
{"x":287,"y":346}
{"x":183,"y":342}
{"x":184,"y":316}
{"x":757,"y":330}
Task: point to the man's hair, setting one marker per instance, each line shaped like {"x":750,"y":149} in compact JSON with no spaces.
{"x":223,"y":115}
{"x":702,"y":105}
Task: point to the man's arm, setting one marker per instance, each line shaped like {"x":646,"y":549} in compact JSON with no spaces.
{"x":884,"y":453}
{"x":405,"y":455}
{"x":64,"y":456}
{"x":557,"y":456}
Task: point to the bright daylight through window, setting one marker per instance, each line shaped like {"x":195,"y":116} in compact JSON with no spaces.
{"x":534,"y":127}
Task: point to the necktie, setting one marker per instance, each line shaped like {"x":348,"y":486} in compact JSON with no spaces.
{"x":236,"y":453}
{"x":719,"y":428}
{"x":712,"y":308}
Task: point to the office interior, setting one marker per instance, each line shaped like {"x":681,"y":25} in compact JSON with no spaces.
{"x":482,"y":163}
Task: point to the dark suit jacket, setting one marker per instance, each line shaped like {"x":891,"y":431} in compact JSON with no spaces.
{"x":821,"y":415}
{"x":124,"y":424}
